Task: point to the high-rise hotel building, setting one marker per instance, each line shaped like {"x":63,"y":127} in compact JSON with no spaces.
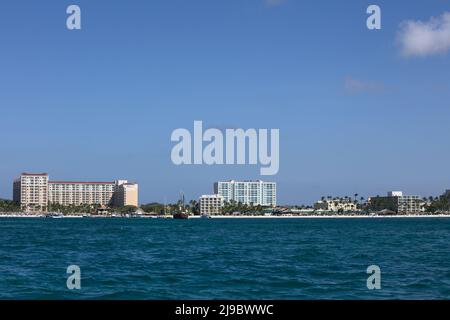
{"x":34,"y":192}
{"x":126,"y":194}
{"x":68,"y":193}
{"x":30,"y":190}
{"x":252,"y":193}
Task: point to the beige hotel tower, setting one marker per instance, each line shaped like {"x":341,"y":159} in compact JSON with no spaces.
{"x":34,"y":191}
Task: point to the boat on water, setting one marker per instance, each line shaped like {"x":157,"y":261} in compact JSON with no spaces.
{"x":54,"y":215}
{"x":205,"y":216}
{"x":181,"y":215}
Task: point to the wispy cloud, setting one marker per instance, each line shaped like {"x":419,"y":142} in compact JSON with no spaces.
{"x":274,"y":3}
{"x":418,"y":38}
{"x":354,"y":86}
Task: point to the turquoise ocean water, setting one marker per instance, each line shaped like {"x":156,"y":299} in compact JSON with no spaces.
{"x":225,"y":259}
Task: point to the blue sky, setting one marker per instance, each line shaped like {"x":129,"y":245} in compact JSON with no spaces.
{"x":355,"y":113}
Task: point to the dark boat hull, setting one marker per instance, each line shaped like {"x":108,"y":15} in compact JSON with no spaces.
{"x":181,"y":216}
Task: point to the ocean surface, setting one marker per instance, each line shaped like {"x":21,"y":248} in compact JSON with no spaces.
{"x":225,"y":258}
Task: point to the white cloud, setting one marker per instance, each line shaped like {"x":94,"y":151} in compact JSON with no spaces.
{"x":417,"y":38}
{"x":274,"y":3}
{"x":355,"y":86}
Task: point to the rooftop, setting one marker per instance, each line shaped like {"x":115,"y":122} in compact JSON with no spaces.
{"x":34,"y":174}
{"x":240,"y":181}
{"x":79,"y":182}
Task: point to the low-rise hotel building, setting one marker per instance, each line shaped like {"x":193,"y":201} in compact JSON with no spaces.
{"x":251,"y":193}
{"x":397,"y":202}
{"x":211,"y":204}
{"x":336,"y":205}
{"x":34,"y":192}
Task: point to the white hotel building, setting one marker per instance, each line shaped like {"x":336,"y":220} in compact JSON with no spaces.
{"x":34,"y":192}
{"x":248,"y":192}
{"x":211,"y":204}
{"x":68,"y":193}
{"x":31,"y":191}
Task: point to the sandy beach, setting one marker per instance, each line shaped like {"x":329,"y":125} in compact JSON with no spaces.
{"x":328,"y":217}
{"x":19,"y":215}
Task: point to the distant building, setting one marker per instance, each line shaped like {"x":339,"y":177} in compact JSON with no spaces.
{"x":126,"y":194}
{"x":30,"y":190}
{"x":397,"y":202}
{"x":67,"y":193}
{"x":446,"y":194}
{"x":34,"y":192}
{"x":336,"y":205}
{"x":395,"y":194}
{"x":211,"y":204}
{"x":251,"y":193}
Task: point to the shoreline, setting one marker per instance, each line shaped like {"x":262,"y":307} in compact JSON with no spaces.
{"x":330,"y":217}
{"x":336,"y":216}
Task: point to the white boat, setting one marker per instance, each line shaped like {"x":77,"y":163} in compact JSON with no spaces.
{"x":54,"y":215}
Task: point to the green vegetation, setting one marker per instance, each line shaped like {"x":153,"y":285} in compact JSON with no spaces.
{"x":441,"y":203}
{"x":9,"y":206}
{"x":124,"y":210}
{"x":153,"y":207}
{"x":382,"y":203}
{"x":92,"y":209}
{"x":232,"y":206}
{"x":193,"y":207}
{"x":161,"y":209}
{"x":54,"y":207}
